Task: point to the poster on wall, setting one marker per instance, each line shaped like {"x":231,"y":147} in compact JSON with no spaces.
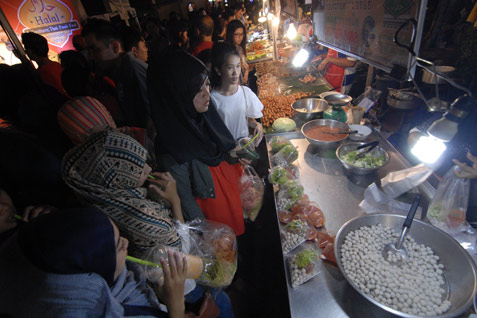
{"x":56,"y":20}
{"x":365,"y":28}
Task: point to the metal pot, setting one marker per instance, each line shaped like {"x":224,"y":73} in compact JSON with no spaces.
{"x":430,"y":78}
{"x":324,"y":122}
{"x":401,"y":99}
{"x":460,"y":270}
{"x":309,"y":108}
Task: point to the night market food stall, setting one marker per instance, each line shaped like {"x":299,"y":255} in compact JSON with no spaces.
{"x":321,"y":192}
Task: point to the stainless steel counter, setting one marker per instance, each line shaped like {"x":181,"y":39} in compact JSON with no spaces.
{"x":338,"y":193}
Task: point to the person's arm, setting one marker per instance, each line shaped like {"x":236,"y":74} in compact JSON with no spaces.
{"x":340,"y":61}
{"x":165,"y":186}
{"x":181,"y":174}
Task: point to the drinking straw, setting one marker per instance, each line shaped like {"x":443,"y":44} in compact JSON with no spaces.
{"x":142,"y":262}
{"x":248,"y":143}
{"x":150,"y":176}
{"x":18,"y":217}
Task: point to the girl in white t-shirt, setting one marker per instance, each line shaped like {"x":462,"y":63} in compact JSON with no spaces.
{"x":237,"y":105}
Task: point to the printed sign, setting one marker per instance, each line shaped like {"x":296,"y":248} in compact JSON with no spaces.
{"x":54,"y":19}
{"x":366,"y":28}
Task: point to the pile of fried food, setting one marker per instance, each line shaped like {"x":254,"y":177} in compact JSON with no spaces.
{"x":307,"y":79}
{"x":279,"y":106}
{"x":255,"y":46}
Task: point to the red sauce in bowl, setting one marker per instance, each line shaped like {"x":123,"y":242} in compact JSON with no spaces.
{"x":319,"y":133}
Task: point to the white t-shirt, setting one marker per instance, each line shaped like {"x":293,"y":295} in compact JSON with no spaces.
{"x":235,"y":109}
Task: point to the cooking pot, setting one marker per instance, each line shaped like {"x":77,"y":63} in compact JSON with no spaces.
{"x":402,"y":99}
{"x":430,"y":78}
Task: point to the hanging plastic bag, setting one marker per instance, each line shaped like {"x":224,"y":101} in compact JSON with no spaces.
{"x":449,"y":205}
{"x":251,"y":192}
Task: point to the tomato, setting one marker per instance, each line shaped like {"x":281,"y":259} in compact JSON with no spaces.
{"x":316,"y":218}
{"x":311,"y":234}
{"x":285,"y":217}
{"x":328,"y":254}
{"x":324,"y":238}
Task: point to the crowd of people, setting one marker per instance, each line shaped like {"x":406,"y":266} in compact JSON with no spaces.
{"x":107,"y":151}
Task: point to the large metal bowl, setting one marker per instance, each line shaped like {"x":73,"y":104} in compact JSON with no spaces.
{"x":309,"y":108}
{"x":324,"y":122}
{"x":351,"y":146}
{"x":459,"y":267}
{"x":337,"y":99}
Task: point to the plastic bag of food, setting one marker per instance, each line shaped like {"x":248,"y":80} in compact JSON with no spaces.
{"x":212,"y":253}
{"x":293,"y":234}
{"x":289,"y":194}
{"x":311,"y":213}
{"x":251,"y":192}
{"x":278,"y":142}
{"x":285,"y":156}
{"x":303,"y":264}
{"x":280,"y":175}
{"x":449,"y":205}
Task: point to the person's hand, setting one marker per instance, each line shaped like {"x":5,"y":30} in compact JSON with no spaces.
{"x":465,"y":170}
{"x":32,"y":211}
{"x":258,"y":130}
{"x":322,"y":65}
{"x":316,"y":59}
{"x":172,"y":291}
{"x":233,"y":154}
{"x":165,"y":186}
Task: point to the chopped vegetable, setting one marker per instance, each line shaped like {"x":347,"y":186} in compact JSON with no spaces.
{"x":280,"y":175}
{"x":369,"y":160}
{"x":217,"y":273}
{"x":305,"y":257}
{"x":278,"y":142}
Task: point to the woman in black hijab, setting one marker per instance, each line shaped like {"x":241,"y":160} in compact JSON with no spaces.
{"x":192,"y":140}
{"x":72,"y":263}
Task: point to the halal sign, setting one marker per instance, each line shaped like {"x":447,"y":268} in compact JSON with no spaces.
{"x":50,"y":18}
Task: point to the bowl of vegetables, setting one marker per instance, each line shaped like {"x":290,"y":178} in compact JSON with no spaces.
{"x":347,"y":154}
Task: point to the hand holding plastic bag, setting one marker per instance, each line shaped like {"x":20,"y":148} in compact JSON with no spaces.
{"x":211,"y":254}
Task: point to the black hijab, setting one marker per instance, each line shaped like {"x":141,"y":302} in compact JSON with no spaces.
{"x":71,"y":241}
{"x":181,"y":131}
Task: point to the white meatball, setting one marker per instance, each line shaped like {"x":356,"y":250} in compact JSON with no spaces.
{"x":415,"y":287}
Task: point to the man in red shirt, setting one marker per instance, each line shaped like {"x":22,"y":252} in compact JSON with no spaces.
{"x":36,"y":47}
{"x":206,"y":29}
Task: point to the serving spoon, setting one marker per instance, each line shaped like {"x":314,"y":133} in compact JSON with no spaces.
{"x":395,"y":253}
{"x":341,"y":132}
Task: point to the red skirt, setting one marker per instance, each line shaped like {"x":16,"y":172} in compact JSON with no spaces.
{"x":226,"y":207}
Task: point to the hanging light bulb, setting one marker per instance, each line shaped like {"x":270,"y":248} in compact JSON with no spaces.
{"x":262,"y":17}
{"x":276,"y":21}
{"x":300,"y":58}
{"x":291,"y":32}
{"x":428,"y":149}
